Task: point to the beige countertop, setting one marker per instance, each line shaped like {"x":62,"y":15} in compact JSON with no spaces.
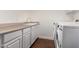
{"x":10,"y":27}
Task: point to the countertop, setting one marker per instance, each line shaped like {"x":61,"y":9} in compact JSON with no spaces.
{"x":10,"y":27}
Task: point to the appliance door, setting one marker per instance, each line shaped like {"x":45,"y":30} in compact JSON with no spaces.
{"x":55,"y":35}
{"x":60,"y":37}
{"x":70,"y":37}
{"x":54,"y":30}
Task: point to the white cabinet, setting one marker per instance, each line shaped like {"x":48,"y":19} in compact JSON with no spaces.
{"x":26,"y":37}
{"x":34,"y":34}
{"x":12,"y":35}
{"x":22,"y":38}
{"x":12,"y":39}
{"x":26,"y":41}
{"x":16,"y":43}
{"x":29,"y":36}
{"x":27,"y":30}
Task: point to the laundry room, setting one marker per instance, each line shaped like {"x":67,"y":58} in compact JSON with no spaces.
{"x":39,"y":28}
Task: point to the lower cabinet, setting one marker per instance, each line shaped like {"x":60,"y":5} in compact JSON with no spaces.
{"x":19,"y":39}
{"x":26,"y":40}
{"x":29,"y":36}
{"x":34,"y":34}
{"x":16,"y":43}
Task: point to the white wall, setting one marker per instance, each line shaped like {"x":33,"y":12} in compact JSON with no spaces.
{"x":73,"y":14}
{"x":23,"y":16}
{"x":7,"y":16}
{"x":46,"y":19}
{"x":76,"y":15}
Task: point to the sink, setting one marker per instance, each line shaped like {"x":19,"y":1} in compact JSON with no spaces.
{"x":29,"y":24}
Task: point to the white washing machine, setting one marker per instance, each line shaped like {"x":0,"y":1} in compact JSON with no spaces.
{"x":67,"y":35}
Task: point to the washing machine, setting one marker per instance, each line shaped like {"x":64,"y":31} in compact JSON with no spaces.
{"x":67,"y":35}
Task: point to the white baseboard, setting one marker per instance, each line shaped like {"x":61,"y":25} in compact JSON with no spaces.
{"x":44,"y":37}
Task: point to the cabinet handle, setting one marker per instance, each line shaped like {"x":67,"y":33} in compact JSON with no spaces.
{"x":60,"y":29}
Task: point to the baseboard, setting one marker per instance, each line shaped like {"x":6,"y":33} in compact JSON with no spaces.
{"x":43,"y":37}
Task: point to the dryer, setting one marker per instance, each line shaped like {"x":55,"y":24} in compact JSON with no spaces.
{"x":67,"y":35}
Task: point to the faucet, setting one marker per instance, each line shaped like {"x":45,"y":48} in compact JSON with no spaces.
{"x":28,"y":19}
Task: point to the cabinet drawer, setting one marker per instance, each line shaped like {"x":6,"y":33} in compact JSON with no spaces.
{"x":16,"y":43}
{"x":27,"y":30}
{"x":11,"y":36}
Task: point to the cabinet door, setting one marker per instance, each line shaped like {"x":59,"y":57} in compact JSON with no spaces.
{"x":34,"y":34}
{"x":26,"y":40}
{"x":33,"y":37}
{"x":12,"y":35}
{"x":16,"y":43}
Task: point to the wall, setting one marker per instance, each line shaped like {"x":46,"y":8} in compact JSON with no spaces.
{"x":73,"y":14}
{"x":76,"y":15}
{"x":7,"y":16}
{"x":46,"y":19}
{"x":23,"y":16}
